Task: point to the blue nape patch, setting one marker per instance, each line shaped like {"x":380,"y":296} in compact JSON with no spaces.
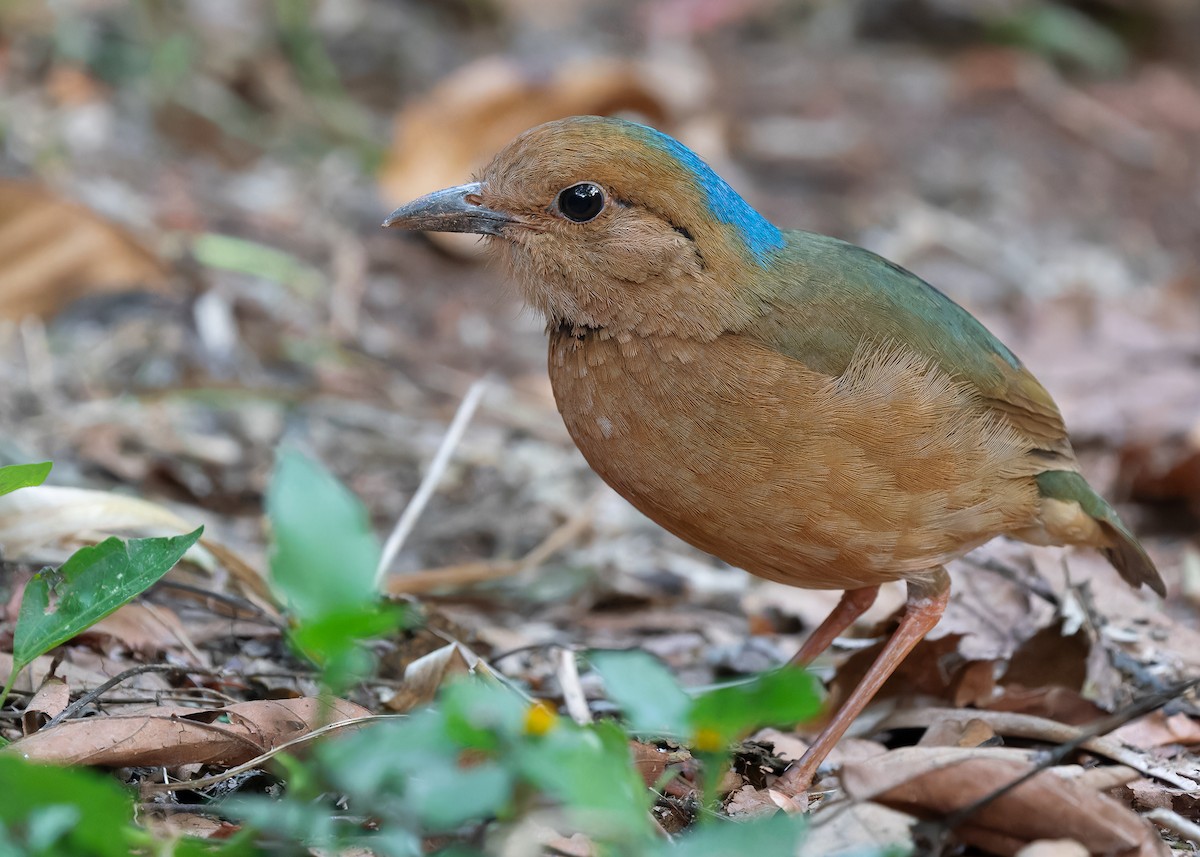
{"x":759,"y":234}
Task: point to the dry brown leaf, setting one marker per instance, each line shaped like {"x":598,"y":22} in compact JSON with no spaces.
{"x":54,"y":251}
{"x":83,"y":670}
{"x":749,"y":802}
{"x":931,"y":782}
{"x":426,"y":675}
{"x":454,"y":131}
{"x":1159,"y":730}
{"x":140,"y":628}
{"x":52,"y":697}
{"x":953,"y":732}
{"x":174,"y":735}
{"x":173,"y":825}
{"x":857,"y":829}
{"x":1054,"y":703}
{"x":35,"y":520}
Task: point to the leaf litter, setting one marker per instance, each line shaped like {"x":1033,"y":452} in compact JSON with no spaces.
{"x":159,"y":409}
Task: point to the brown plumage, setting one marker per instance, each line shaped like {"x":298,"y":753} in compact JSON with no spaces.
{"x":795,"y":405}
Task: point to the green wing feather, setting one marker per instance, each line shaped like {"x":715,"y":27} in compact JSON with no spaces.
{"x":824,"y":298}
{"x":1126,"y":555}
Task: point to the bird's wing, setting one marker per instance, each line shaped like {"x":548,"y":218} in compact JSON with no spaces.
{"x":824,"y":299}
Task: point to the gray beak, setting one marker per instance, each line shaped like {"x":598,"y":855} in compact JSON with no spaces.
{"x":455,"y":209}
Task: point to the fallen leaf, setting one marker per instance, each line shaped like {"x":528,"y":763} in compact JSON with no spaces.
{"x":142,"y":629}
{"x":55,"y":251}
{"x":931,"y":782}
{"x":52,"y":697}
{"x":175,"y":735}
{"x":424,"y":677}
{"x":857,"y":829}
{"x":1159,"y":730}
{"x":84,"y":669}
{"x":40,"y":519}
{"x":749,"y":802}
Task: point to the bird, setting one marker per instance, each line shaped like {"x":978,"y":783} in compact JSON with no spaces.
{"x":793,"y":404}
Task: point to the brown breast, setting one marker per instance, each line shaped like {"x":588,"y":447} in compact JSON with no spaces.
{"x":819,"y":482}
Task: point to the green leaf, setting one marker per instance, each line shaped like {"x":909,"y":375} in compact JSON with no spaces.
{"x":334,"y":641}
{"x":239,"y":255}
{"x":376,"y":759}
{"x":645,"y":691}
{"x":324,"y":554}
{"x":94,"y":582}
{"x":38,"y":799}
{"x":590,"y":770}
{"x":482,"y":715}
{"x":445,"y":797}
{"x":776,"y":836}
{"x":777,"y":698}
{"x":1062,"y":33}
{"x":16,"y":476}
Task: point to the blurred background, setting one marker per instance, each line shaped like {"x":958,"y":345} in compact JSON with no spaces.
{"x":192,"y":270}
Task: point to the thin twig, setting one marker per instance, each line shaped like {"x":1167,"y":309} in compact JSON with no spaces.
{"x":98,"y":691}
{"x":1056,"y":754}
{"x":256,"y":613}
{"x":258,"y":760}
{"x":433,"y":476}
{"x":1174,"y":822}
{"x":572,"y":688}
{"x":469,"y":573}
{"x":1016,"y":725}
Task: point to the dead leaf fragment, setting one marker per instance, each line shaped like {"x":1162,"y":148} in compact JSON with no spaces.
{"x":174,"y":735}
{"x":53,"y":251}
{"x":424,"y":677}
{"x":52,"y":697}
{"x":931,"y":782}
{"x":141,"y":628}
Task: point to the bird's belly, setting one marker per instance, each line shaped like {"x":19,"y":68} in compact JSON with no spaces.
{"x":792,"y":475}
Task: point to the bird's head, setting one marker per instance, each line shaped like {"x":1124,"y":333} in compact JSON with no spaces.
{"x":609,"y":224}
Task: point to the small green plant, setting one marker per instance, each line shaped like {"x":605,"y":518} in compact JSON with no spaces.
{"x":324,"y":557}
{"x":91,"y":584}
{"x":463,"y":774}
{"x":16,"y":476}
{"x":58,"y":812}
{"x":474,"y":764}
{"x":708,"y":722}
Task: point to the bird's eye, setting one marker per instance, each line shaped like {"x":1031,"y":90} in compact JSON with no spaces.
{"x":581,"y":202}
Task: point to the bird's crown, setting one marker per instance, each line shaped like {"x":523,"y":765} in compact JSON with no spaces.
{"x":611,"y":224}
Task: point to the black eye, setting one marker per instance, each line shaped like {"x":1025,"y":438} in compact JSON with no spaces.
{"x":581,"y":202}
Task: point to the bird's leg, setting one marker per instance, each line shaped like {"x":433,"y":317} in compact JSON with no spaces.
{"x":926,"y":601}
{"x":854,"y":603}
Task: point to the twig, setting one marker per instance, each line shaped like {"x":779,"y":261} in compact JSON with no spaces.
{"x":1175,"y":823}
{"x":1017,"y":725}
{"x":98,"y":691}
{"x":572,"y":689}
{"x":941,"y":828}
{"x":433,"y":476}
{"x":176,"y":630}
{"x":469,"y":573}
{"x":256,"y":613}
{"x":258,"y":760}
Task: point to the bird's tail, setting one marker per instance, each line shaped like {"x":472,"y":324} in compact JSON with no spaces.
{"x":1074,"y":514}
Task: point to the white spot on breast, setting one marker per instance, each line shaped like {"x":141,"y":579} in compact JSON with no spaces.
{"x":606,"y":426}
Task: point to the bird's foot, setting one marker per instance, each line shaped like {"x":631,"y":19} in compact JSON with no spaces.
{"x":790,"y":791}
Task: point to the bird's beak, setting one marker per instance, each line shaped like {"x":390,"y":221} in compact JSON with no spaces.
{"x":455,"y":209}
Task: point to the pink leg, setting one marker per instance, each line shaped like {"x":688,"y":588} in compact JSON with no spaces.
{"x":926,"y":602}
{"x":854,"y":603}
